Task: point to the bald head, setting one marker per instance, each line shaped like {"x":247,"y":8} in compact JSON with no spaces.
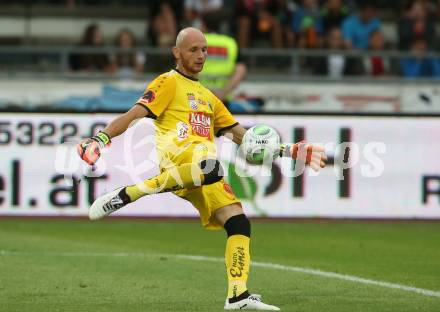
{"x":189,"y":34}
{"x":190,"y":51}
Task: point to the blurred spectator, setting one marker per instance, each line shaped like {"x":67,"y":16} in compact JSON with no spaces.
{"x":194,"y":9}
{"x":307,"y":25}
{"x":91,"y":61}
{"x":127,"y":63}
{"x":416,"y":22}
{"x":259,"y":19}
{"x":376,"y":65}
{"x":335,"y":65}
{"x":436,"y":10}
{"x":431,"y":5}
{"x":283,"y":11}
{"x":333,"y":13}
{"x":420,"y":64}
{"x":163,"y":26}
{"x":357,"y":28}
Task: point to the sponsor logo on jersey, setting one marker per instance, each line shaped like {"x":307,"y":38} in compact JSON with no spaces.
{"x":193,"y":105}
{"x":228,"y":189}
{"x":192,"y":101}
{"x":148,"y":97}
{"x":201,"y":124}
{"x":182,"y":130}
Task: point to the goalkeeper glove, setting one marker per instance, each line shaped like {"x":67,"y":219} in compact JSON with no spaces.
{"x":308,"y":153}
{"x":90,"y":149}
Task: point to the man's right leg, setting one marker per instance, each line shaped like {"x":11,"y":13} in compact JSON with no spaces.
{"x":187,"y":176}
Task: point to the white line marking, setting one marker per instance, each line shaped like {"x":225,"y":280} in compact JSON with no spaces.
{"x":273,"y":266}
{"x":344,"y":277}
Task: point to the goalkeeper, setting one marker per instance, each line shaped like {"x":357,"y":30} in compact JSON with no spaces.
{"x":187,"y":116}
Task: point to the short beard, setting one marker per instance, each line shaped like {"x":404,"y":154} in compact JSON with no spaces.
{"x":188,"y":68}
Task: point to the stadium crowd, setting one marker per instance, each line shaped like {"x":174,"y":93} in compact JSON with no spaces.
{"x":331,"y":25}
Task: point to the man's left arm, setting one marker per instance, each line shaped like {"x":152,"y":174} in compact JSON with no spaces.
{"x":312,"y":155}
{"x":235,"y":133}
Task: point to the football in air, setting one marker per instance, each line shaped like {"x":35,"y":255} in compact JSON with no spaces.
{"x":261,"y":144}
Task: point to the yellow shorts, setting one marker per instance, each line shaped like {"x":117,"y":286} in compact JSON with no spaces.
{"x":206,"y":198}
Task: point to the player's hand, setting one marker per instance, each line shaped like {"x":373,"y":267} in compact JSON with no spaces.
{"x":312,"y":155}
{"x":90,"y":149}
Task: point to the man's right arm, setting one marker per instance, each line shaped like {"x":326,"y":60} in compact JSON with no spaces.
{"x":90,"y":149}
{"x":152,"y":103}
{"x":120,"y":124}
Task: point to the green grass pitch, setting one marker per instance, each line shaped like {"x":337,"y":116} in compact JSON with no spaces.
{"x":120,"y":265}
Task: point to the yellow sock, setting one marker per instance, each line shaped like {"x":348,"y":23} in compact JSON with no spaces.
{"x":175,"y":178}
{"x":237,"y":260}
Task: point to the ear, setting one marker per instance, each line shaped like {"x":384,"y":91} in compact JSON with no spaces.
{"x":176,"y":53}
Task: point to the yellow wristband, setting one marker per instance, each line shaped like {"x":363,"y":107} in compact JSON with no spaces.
{"x":103,"y":138}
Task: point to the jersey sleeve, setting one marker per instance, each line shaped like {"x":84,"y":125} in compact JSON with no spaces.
{"x":223,"y":119}
{"x":159,"y":93}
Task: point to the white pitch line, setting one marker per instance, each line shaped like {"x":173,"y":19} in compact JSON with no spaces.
{"x":351,"y":278}
{"x":273,"y":266}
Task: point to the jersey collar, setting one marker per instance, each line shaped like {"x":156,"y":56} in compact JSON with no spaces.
{"x":186,"y":76}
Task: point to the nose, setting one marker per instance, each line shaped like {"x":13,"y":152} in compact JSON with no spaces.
{"x":201,"y":55}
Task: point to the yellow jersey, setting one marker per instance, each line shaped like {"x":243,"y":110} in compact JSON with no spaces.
{"x":184,"y":112}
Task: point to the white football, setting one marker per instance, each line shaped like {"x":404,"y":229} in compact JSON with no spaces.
{"x":260,"y":144}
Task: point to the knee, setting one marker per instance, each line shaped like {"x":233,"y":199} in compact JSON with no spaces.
{"x":238,"y":225}
{"x":212,"y":170}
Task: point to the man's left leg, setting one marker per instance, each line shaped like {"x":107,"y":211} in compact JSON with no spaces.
{"x":237,"y":256}
{"x":237,"y":259}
